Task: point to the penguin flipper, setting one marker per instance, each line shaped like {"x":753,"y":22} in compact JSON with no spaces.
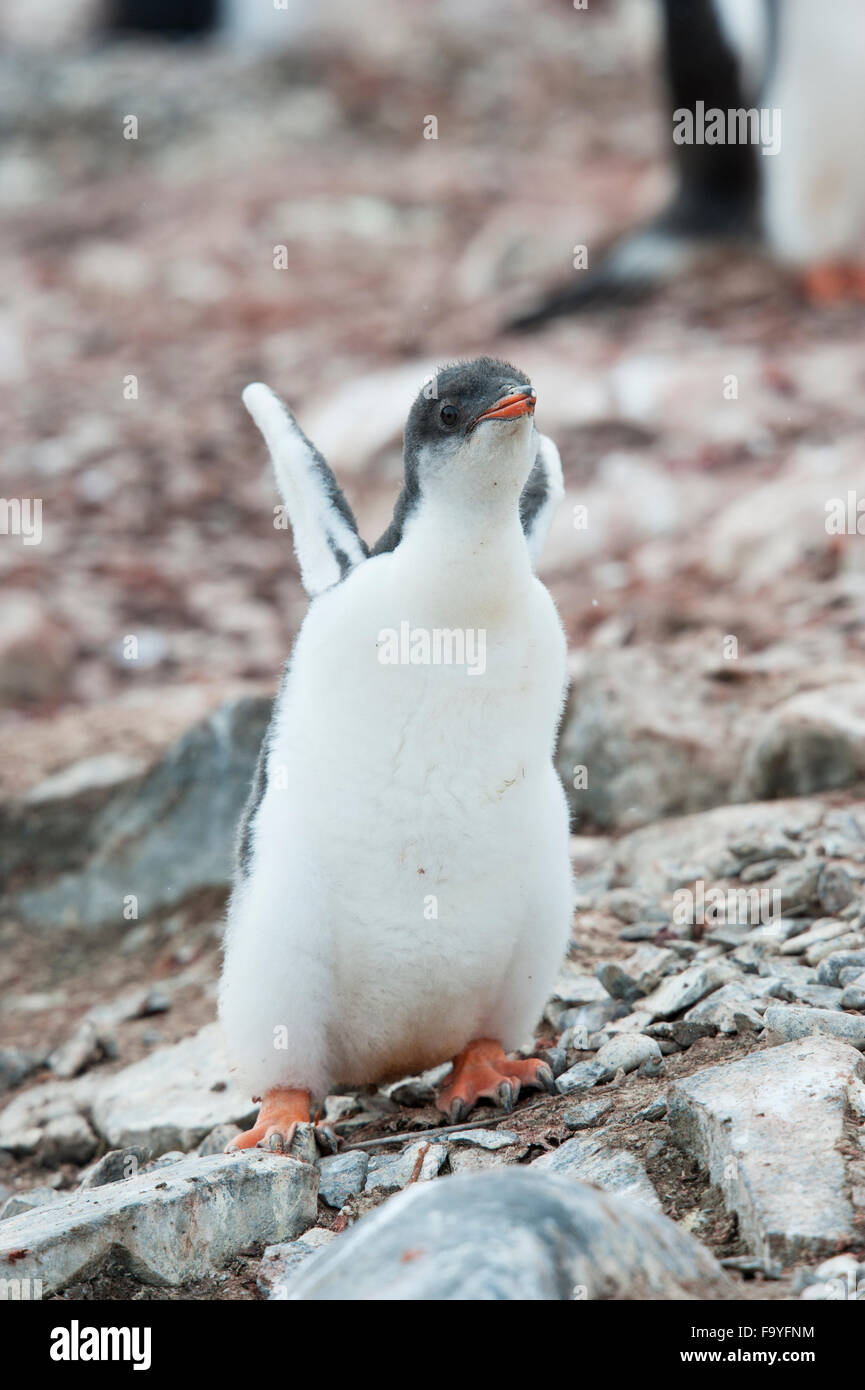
{"x":540,"y":497}
{"x":326,"y":539}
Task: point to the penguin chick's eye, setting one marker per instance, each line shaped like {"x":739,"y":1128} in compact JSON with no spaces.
{"x":449,"y":416}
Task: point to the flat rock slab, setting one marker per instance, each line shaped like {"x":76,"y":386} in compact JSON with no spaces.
{"x":160,"y":835}
{"x":178,"y":1223}
{"x":595,"y":1161}
{"x":768,"y":1128}
{"x":510,"y":1235}
{"x":169,"y":1100}
{"x":173,"y":1098}
{"x":788,"y":1023}
{"x":280,"y":1262}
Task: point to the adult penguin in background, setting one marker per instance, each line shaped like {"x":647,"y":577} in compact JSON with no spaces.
{"x":802,"y":197}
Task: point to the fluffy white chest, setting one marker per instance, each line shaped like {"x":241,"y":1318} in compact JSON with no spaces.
{"x":410,"y":869}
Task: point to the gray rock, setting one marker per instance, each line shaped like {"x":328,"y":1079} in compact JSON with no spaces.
{"x":470,"y":1159}
{"x":513,"y":1235}
{"x":829,"y":969}
{"x":840,"y":883}
{"x":280,"y":1262}
{"x":650,"y":755}
{"x":686,"y":1032}
{"x":338,"y":1108}
{"x":845,"y":1264}
{"x":135,"y":1003}
{"x":31,"y":1201}
{"x":575,"y":987}
{"x":719,"y":1010}
{"x":588,"y":1018}
{"x":627,"y":1051}
{"x":788,"y":1023}
{"x":589,"y":1114}
{"x":582,"y":1077}
{"x":169,"y":1100}
{"x":768,"y":1127}
{"x":823,"y":930}
{"x":161,"y":835}
{"x":85,"y":1047}
{"x":679,"y":992}
{"x":853,"y":997}
{"x":25,"y":1118}
{"x":625,"y":903}
{"x":172,"y":1098}
{"x":772,"y":935}
{"x":707,"y":841}
{"x":811,"y":742}
{"x":637,"y":1022}
{"x":66,"y":1139}
{"x":303,"y":1144}
{"x":342,"y":1175}
{"x":640,"y":931}
{"x":636,"y":976}
{"x":850,"y":941}
{"x":759,"y":870}
{"x":217,"y":1141}
{"x":175,"y":1224}
{"x":617,"y":982}
{"x":656,"y":1110}
{"x":390,"y":1173}
{"x":818,"y":996}
{"x":782,"y":972}
{"x":485,"y":1138}
{"x":16,"y":1064}
{"x":797,"y":885}
{"x":596,"y":1161}
{"x":115,"y":1166}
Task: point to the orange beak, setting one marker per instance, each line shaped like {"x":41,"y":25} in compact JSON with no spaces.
{"x":511,"y":407}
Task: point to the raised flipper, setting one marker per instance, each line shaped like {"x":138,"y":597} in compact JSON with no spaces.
{"x":326,"y":540}
{"x":541,"y":496}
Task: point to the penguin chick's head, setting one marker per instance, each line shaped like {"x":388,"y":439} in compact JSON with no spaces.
{"x":470,"y":433}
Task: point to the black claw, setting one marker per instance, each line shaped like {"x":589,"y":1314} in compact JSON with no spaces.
{"x":457,"y":1111}
{"x":544,"y":1076}
{"x":507,"y":1095}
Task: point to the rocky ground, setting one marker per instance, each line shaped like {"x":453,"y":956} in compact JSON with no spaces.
{"x":707,"y":1040}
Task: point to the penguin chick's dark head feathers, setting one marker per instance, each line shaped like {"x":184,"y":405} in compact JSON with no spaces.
{"x":460,"y":396}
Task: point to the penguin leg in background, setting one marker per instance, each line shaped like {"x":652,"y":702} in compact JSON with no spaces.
{"x":483,"y":1070}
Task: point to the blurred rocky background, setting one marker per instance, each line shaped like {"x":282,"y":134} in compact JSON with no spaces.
{"x":281,"y":214}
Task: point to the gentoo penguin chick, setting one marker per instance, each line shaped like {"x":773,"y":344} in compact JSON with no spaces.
{"x":795,"y":183}
{"x":403,"y":892}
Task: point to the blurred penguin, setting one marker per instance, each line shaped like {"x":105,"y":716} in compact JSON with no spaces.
{"x":796,"y":184}
{"x":250,"y":23}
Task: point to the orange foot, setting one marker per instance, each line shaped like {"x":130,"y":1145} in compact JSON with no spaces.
{"x":281,"y":1112}
{"x":833,"y":282}
{"x":484,"y":1069}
